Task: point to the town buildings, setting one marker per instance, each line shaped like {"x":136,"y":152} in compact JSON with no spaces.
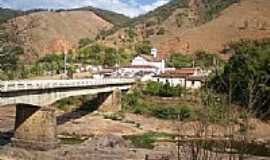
{"x":150,"y":68}
{"x":190,"y":78}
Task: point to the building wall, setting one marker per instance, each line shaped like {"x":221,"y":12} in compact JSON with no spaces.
{"x":141,"y":61}
{"x":135,"y":70}
{"x":194,"y":84}
{"x":173,"y":81}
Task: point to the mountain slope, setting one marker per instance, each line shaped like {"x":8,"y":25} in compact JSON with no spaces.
{"x":114,"y":18}
{"x":177,"y":15}
{"x":191,"y":25}
{"x":44,"y":32}
{"x":6,"y":14}
{"x":250,"y":19}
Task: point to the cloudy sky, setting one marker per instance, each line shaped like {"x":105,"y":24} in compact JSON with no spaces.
{"x":128,"y":7}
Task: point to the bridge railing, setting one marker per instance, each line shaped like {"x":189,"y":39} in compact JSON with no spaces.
{"x":8,"y":86}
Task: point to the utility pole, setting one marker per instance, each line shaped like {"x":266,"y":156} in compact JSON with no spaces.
{"x":65,"y":62}
{"x":178,"y":137}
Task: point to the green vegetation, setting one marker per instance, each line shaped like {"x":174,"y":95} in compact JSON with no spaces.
{"x":214,"y":7}
{"x":161,"y":31}
{"x":67,"y":103}
{"x":72,"y":140}
{"x":205,"y":59}
{"x":200,"y":58}
{"x":245,"y":79}
{"x":208,"y":11}
{"x":179,"y":60}
{"x":162,"y":90}
{"x":138,"y":102}
{"x":9,"y":53}
{"x":143,"y":47}
{"x":146,"y":140}
{"x":115,"y":18}
{"x":163,"y":12}
{"x":114,"y":116}
{"x":182,"y":112}
{"x":131,"y":33}
{"x":12,"y":67}
{"x":85,"y":41}
{"x":6,"y":14}
{"x":80,"y":103}
{"x":98,"y":54}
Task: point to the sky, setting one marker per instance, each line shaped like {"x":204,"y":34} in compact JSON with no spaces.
{"x":130,"y":8}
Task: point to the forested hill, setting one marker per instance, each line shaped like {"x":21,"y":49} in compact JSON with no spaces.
{"x":6,"y":14}
{"x":114,"y":18}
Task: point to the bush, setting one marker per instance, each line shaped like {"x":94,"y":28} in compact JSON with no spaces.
{"x":114,"y":116}
{"x":146,"y":140}
{"x":85,"y":41}
{"x":246,"y":76}
{"x":143,"y":47}
{"x":131,"y":99}
{"x":181,"y":112}
{"x":180,"y":60}
{"x":164,"y":90}
{"x":161,"y":31}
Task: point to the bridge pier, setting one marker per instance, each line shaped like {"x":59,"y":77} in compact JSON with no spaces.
{"x":35,"y":128}
{"x":110,"y":102}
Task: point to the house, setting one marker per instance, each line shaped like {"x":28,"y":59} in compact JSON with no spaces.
{"x":145,"y":60}
{"x":137,"y":70}
{"x":190,"y":78}
{"x":103,"y":73}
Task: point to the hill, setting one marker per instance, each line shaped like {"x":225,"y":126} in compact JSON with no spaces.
{"x":44,"y":32}
{"x":248,"y":19}
{"x":185,"y":26}
{"x":177,"y":15}
{"x":114,"y":18}
{"x":6,"y":14}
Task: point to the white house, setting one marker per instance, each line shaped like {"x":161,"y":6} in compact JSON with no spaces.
{"x":190,"y":78}
{"x":145,"y":60}
{"x":137,"y":70}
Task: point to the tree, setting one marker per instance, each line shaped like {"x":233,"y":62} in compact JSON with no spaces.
{"x":143,"y":47}
{"x":247,"y":76}
{"x":85,"y":41}
{"x":111,"y":57}
{"x":179,"y":60}
{"x":9,"y":55}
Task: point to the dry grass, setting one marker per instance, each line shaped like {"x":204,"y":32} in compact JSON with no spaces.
{"x":43,"y":31}
{"x":227,"y":27}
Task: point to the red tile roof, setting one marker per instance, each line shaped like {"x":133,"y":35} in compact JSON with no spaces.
{"x":179,"y":72}
{"x":139,"y":66}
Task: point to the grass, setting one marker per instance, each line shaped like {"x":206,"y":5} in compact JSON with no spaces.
{"x":156,"y":107}
{"x":81,"y":103}
{"x":147,"y":140}
{"x":71,"y":141}
{"x":114,"y":116}
{"x":238,"y":147}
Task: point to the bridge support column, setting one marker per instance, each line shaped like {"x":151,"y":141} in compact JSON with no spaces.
{"x":110,"y":102}
{"x":35,"y":128}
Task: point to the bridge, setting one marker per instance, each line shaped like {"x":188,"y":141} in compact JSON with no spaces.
{"x":35,"y":124}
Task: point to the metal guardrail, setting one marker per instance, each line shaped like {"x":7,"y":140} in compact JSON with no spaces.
{"x":8,"y":86}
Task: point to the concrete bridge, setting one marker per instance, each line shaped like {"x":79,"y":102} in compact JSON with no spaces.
{"x":35,"y":125}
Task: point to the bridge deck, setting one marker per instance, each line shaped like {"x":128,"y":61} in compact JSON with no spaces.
{"x":22,"y":85}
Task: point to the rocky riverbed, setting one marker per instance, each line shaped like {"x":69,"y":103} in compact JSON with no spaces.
{"x":99,"y":137}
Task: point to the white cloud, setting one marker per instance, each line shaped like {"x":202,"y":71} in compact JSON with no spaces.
{"x":131,"y":8}
{"x":154,"y":5}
